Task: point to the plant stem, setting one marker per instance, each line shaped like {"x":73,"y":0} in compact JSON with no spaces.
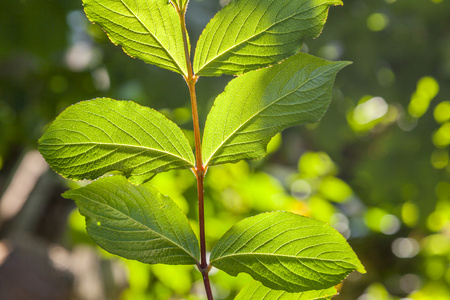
{"x":199,"y":170}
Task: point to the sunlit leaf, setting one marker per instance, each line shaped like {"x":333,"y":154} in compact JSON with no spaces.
{"x":256,"y":290}
{"x":286,"y":252}
{"x":259,"y":104}
{"x":248,"y":34}
{"x":148,"y":30}
{"x":136,"y":222}
{"x":93,"y":137}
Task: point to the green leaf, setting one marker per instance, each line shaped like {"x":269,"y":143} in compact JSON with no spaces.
{"x":259,"y":104}
{"x":257,"y":291}
{"x":249,"y":34}
{"x":93,"y":137}
{"x":136,"y":222}
{"x":286,"y":252}
{"x":147,"y":29}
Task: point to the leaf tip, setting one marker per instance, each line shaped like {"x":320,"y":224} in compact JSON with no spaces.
{"x":360,"y":268}
{"x":342,"y":64}
{"x":67,"y":195}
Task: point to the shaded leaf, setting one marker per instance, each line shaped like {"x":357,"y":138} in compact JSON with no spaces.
{"x":136,"y":222}
{"x":251,"y":34}
{"x":147,"y":29}
{"x":259,"y":104}
{"x":93,"y":137}
{"x":255,"y":290}
{"x":286,"y":252}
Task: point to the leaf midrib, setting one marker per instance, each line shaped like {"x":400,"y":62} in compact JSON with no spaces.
{"x":119,"y":145}
{"x":144,"y":225}
{"x":249,"y":38}
{"x":279,"y":255}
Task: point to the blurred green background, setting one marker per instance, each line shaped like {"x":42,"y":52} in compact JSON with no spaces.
{"x":376,"y":167}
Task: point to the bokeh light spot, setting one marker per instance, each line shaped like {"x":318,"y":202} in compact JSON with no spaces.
{"x":436,"y":244}
{"x":377,"y":21}
{"x":410,"y":214}
{"x":370,"y":110}
{"x":440,"y":217}
{"x":441,"y":138}
{"x":385,"y":77}
{"x":301,"y":189}
{"x":321,"y":209}
{"x":406,"y":123}
{"x":427,"y":89}
{"x":389,"y":224}
{"x":375,"y":291}
{"x":335,"y":189}
{"x":379,"y":220}
{"x":331,"y":51}
{"x":442,"y":112}
{"x":405,"y":247}
{"x":340,"y":222}
{"x":439,"y":158}
{"x":315,"y":164}
{"x":435,"y":268}
{"x":409,"y":283}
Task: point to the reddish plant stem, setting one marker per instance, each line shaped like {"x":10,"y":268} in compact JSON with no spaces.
{"x":199,"y":170}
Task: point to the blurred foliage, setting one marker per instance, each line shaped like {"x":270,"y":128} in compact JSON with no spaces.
{"x":376,"y":167}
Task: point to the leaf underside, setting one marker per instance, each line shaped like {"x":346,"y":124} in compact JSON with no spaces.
{"x":147,"y":29}
{"x":286,"y":252}
{"x":259,"y":104}
{"x":93,"y":137}
{"x":250,"y":34}
{"x":136,"y":222}
{"x":257,"y":291}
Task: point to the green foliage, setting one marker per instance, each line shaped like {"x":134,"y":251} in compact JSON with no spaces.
{"x":259,"y":104}
{"x":93,"y":137}
{"x":149,"y":30}
{"x":286,"y":251}
{"x":283,"y":251}
{"x":136,"y":222}
{"x":248,"y":35}
{"x":397,"y":163}
{"x":256,"y":290}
